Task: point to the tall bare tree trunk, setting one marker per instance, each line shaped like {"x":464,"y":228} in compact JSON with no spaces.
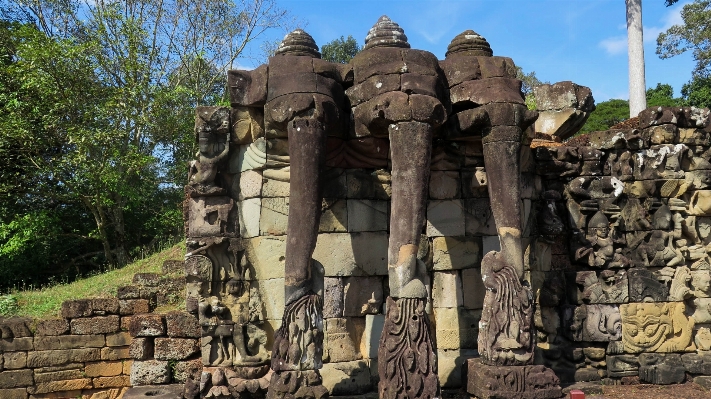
{"x":635,"y":54}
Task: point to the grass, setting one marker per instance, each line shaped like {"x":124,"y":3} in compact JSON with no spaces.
{"x":46,"y":303}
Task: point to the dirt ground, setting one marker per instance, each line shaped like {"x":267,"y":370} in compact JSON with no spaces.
{"x":688,"y":390}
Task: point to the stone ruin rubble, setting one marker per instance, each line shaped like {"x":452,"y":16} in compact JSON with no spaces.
{"x":386,"y":224}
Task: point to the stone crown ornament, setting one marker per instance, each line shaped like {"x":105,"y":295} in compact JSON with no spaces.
{"x":470,"y":43}
{"x":298,"y":42}
{"x":386,"y":33}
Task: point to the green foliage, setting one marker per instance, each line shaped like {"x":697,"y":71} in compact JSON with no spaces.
{"x":607,"y":113}
{"x":8,"y":305}
{"x":340,"y":50}
{"x":697,"y":92}
{"x":694,"y":35}
{"x":98,"y":107}
{"x":529,"y":80}
{"x":663,"y":95}
{"x":611,"y":112}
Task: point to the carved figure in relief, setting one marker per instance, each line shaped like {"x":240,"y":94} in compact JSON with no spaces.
{"x":595,"y":322}
{"x":212,"y":132}
{"x":660,"y":250}
{"x":217,"y":331}
{"x":607,"y":287}
{"x":656,"y":327}
{"x":598,"y":248}
{"x":247,"y":336}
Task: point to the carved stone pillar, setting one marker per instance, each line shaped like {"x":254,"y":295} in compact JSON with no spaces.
{"x":396,"y":95}
{"x":487,"y":100}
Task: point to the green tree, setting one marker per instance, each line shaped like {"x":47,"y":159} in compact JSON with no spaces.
{"x":663,"y":95}
{"x":694,"y":35}
{"x":697,"y":92}
{"x":607,"y":113}
{"x":340,"y":50}
{"x":97,"y":101}
{"x":529,"y":80}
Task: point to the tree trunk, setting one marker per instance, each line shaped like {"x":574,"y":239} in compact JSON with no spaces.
{"x":635,"y":54}
{"x":100,"y":220}
{"x":119,"y":231}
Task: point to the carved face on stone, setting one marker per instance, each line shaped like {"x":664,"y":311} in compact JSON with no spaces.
{"x":646,"y":327}
{"x":701,"y":280}
{"x":234,"y":287}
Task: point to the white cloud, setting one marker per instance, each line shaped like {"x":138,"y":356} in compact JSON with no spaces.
{"x":614,"y":45}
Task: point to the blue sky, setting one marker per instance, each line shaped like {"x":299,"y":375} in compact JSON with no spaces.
{"x":580,"y":40}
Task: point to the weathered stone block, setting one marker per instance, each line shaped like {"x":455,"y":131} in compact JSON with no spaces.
{"x":76,"y":308}
{"x":342,"y":339}
{"x":147,"y":325}
{"x":473,"y":289}
{"x":112,"y":382}
{"x":451,"y":253}
{"x":274,"y":290}
{"x":103,"y":369}
{"x":66,"y":372}
{"x":249,"y":215}
{"x":457,"y":328}
{"x":371,"y":335}
{"x":175,"y":348}
{"x":479,"y":218}
{"x":661,"y":369}
{"x":141,"y":348}
{"x":118,"y":339}
{"x":182,"y":325}
{"x":105,"y":306}
{"x":16,"y":378}
{"x":444,"y":185}
{"x":449,"y":366}
{"x":275,"y":188}
{"x":334,"y":216}
{"x":150,"y":372}
{"x":134,"y":306}
{"x":353,"y":254}
{"x":16,"y":393}
{"x":367,"y":215}
{"x":622,"y":366}
{"x":447,"y":289}
{"x":445,"y":218}
{"x":95,"y":325}
{"x":697,"y":363}
{"x":63,"y":356}
{"x":17,"y":344}
{"x":115,"y":353}
{"x":511,"y":382}
{"x":346,"y":378}
{"x":332,"y":297}
{"x":60,"y":386}
{"x":362,"y":295}
{"x":69,"y":342}
{"x":52,"y":327}
{"x":14,"y":360}
{"x":274,"y":216}
{"x":266,"y":255}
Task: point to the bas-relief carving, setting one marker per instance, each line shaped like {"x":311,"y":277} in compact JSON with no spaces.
{"x":656,"y":327}
{"x":607,"y":286}
{"x":592,"y":323}
{"x":212,"y":132}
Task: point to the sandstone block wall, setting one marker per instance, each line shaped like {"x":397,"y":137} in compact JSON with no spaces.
{"x":101,"y":346}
